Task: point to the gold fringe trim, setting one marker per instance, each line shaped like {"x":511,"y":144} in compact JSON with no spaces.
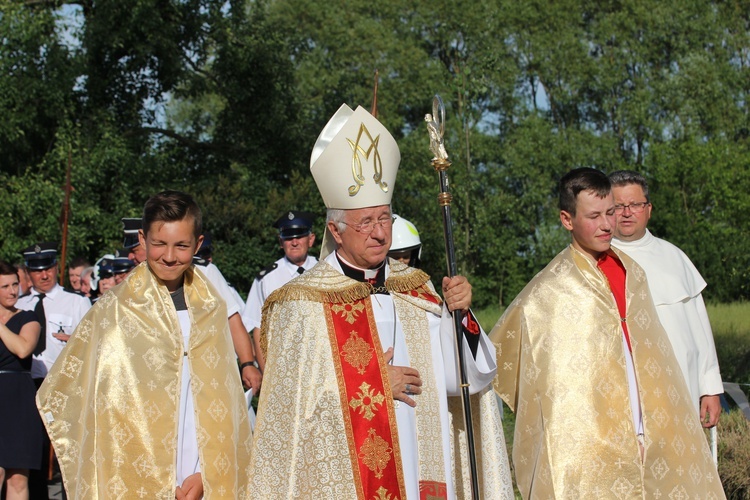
{"x":405,"y":282}
{"x":402,"y":279}
{"x":263,"y":342}
{"x":292,"y":291}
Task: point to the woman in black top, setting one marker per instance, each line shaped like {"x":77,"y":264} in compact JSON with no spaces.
{"x":20,"y":425}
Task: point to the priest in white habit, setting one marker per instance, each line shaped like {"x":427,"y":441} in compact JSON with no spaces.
{"x":675,"y":285}
{"x":361,"y":372}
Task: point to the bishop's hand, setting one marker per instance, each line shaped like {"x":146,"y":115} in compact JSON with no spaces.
{"x":405,"y":381}
{"x":457,"y":293}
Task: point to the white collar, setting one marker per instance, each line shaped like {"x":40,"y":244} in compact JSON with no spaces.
{"x":293,"y":267}
{"x":51,"y":294}
{"x":643,"y":241}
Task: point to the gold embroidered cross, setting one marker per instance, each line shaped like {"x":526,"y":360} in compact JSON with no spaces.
{"x":366,"y":400}
{"x":349,"y":311}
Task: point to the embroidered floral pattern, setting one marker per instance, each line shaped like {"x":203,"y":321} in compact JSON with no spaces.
{"x":357,"y":352}
{"x":382,"y":494}
{"x":375,"y":453}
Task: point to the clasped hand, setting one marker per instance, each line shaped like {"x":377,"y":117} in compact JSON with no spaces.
{"x":252,"y":378}
{"x":191,"y":489}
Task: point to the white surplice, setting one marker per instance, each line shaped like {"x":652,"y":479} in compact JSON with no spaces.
{"x":676,"y":285}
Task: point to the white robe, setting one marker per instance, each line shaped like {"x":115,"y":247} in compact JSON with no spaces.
{"x":282,"y":274}
{"x":675,"y":285}
{"x":188,"y":460}
{"x":230,"y":296}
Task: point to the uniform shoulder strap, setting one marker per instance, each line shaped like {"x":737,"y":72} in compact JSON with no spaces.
{"x":266,"y":270}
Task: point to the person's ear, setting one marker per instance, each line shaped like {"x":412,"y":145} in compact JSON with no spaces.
{"x":198,"y":244}
{"x":333,"y":228}
{"x":566,"y":219}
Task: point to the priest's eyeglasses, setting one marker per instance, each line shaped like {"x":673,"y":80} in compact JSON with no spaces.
{"x":369,"y":226}
{"x":635,"y":208}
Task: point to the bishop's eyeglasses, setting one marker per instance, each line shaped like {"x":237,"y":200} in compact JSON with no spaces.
{"x":369,"y":226}
{"x":635,"y":208}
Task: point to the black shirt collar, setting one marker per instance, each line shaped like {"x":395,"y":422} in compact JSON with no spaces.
{"x":363,"y":275}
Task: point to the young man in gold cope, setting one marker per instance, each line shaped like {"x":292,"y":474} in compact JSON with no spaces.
{"x":360,"y":356}
{"x":146,"y":400}
{"x":602,"y":409}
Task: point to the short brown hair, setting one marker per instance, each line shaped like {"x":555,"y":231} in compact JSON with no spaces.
{"x":78,"y":262}
{"x":627,"y":177}
{"x":7,"y":269}
{"x":582,"y":179}
{"x":172,"y":206}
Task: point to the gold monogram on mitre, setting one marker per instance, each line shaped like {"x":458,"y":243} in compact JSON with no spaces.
{"x":360,"y":153}
{"x":354,"y":162}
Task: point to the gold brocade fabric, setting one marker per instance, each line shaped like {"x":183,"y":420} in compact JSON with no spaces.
{"x":561,"y":365}
{"x":301,"y":448}
{"x":489,"y":442}
{"x":410,"y":311}
{"x":111,"y":401}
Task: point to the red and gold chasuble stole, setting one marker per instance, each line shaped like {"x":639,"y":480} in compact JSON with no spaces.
{"x":423,"y":292}
{"x":432,"y":490}
{"x":366,"y":399}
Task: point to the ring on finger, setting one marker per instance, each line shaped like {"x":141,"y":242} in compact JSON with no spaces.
{"x":408,"y":389}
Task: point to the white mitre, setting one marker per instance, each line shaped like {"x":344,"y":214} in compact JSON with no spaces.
{"x":354,"y":163}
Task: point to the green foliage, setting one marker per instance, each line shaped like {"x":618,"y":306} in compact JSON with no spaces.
{"x":35,"y":84}
{"x":700,"y":196}
{"x":31,"y":213}
{"x":731,"y":327}
{"x":488,"y":316}
{"x":225,"y":99}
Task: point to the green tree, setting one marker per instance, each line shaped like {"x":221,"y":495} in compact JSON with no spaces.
{"x":224,"y":99}
{"x":36,"y":83}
